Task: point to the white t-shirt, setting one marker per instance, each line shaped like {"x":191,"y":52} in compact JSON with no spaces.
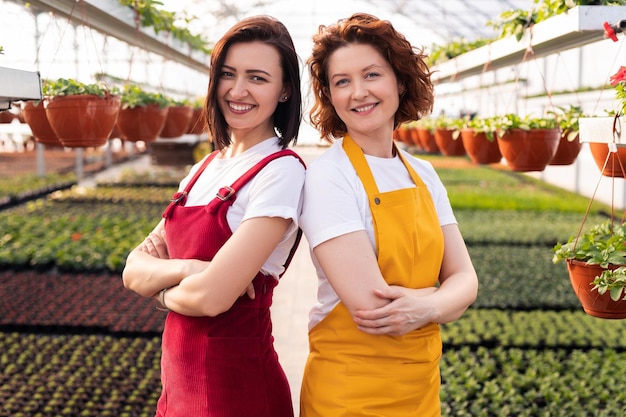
{"x":335,"y":203}
{"x":276,"y":191}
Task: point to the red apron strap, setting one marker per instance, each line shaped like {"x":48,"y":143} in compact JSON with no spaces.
{"x":180,"y":197}
{"x":228,"y":193}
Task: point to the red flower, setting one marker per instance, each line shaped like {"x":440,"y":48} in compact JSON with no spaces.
{"x":618,"y":77}
{"x":76,"y":236}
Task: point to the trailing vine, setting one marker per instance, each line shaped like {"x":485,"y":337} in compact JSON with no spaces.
{"x":149,"y":15}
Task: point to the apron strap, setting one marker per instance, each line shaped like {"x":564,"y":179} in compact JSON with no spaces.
{"x":180,"y":197}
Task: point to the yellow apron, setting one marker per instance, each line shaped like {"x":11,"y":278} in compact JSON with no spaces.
{"x":350,"y":373}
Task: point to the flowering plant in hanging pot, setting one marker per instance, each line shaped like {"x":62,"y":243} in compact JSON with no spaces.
{"x":596,"y":262}
{"x":81,"y":115}
{"x":178,"y":117}
{"x":479,"y":140}
{"x":142,"y":114}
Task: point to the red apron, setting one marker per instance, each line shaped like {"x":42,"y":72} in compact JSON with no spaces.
{"x":223,"y":366}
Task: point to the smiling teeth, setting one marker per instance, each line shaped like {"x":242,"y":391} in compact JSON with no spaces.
{"x":240,"y":107}
{"x":366,"y":108}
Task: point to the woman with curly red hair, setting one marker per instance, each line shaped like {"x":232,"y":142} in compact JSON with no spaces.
{"x":391,"y":262}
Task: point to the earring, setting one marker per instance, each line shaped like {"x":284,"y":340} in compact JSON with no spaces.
{"x":284,"y":98}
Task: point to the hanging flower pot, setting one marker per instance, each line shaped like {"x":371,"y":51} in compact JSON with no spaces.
{"x":143,"y":114}
{"x":479,"y":147}
{"x":142,"y":123}
{"x":6,"y":116}
{"x":403,"y":134}
{"x":568,"y":149}
{"x":196,"y":123}
{"x":529,"y":150}
{"x":82,"y":120}
{"x":600,"y":132}
{"x":427,"y":140}
{"x":36,"y":118}
{"x":582,"y":276}
{"x":177,"y":121}
{"x":449,"y":142}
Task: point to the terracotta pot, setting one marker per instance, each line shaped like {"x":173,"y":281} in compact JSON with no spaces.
{"x":529,"y":150}
{"x":447,"y":144}
{"x":598,"y":305}
{"x":82,"y":120}
{"x":36,"y":118}
{"x":142,"y":123}
{"x":6,"y":116}
{"x":480,"y":149}
{"x":177,"y":122}
{"x":414,"y":138}
{"x":196,"y":123}
{"x":616,"y":161}
{"x":567,"y":151}
{"x":427,"y":140}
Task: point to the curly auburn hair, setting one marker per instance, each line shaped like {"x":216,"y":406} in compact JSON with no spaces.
{"x":407,"y":61}
{"x":288,"y":115}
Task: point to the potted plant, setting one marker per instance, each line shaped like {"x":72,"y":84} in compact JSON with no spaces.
{"x":447,"y":133}
{"x":142,"y":114}
{"x":425,"y":131}
{"x":479,"y":140}
{"x":80,"y":114}
{"x":178,"y":117}
{"x":596,"y":262}
{"x":196,"y":124}
{"x":526,"y":143}
{"x":569,"y":144}
{"x":602,"y":131}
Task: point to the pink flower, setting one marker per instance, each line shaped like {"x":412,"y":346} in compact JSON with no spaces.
{"x":618,"y":77}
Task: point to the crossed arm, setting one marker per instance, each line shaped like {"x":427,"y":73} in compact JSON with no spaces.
{"x":202,"y":288}
{"x":377,"y":308}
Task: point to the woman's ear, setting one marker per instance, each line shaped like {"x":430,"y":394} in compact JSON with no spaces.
{"x":284,"y":95}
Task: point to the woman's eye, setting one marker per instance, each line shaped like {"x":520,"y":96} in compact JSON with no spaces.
{"x":226,"y":74}
{"x":341,"y":82}
{"x":257,"y":78}
{"x":372,"y":75}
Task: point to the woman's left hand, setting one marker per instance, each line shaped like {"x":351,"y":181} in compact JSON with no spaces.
{"x":406,"y":311}
{"x":154,"y":244}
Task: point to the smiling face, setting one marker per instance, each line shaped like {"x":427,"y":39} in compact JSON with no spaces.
{"x":363,"y":90}
{"x":249,"y":88}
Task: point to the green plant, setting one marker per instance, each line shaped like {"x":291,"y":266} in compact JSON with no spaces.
{"x":486,"y":125}
{"x":567,"y":119}
{"x":134,"y":96}
{"x":148,"y":15}
{"x":604,"y":244}
{"x":613,"y":281}
{"x":513,"y":121}
{"x":69,"y":86}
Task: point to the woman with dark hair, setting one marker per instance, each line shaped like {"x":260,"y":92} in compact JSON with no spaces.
{"x":391,"y":262}
{"x":228,"y":235}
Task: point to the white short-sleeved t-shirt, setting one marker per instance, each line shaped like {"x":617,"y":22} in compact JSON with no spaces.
{"x":335,"y":203}
{"x":276,"y":191}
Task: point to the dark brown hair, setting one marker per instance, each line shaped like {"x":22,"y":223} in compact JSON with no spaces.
{"x":407,"y":62}
{"x":288,"y":115}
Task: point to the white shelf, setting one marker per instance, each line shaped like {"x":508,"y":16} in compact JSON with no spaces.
{"x":581,"y":25}
{"x":111,"y":18}
{"x":18,"y":85}
{"x":600,"y":130}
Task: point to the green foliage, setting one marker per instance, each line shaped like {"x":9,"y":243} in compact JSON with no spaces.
{"x":514,"y":121}
{"x":567,"y":120}
{"x":163,"y":21}
{"x":442,"y":53}
{"x":134,"y":96}
{"x":604,"y":244}
{"x":69,"y":86}
{"x":613,"y":281}
{"x":24,"y":186}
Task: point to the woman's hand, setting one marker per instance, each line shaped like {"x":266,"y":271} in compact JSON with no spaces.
{"x":407,"y":310}
{"x":155,"y":244}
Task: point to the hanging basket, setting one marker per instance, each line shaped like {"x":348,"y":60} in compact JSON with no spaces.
{"x":529,"y":150}
{"x":36,"y":118}
{"x":447,"y":144}
{"x":83,"y":120}
{"x":480,"y":149}
{"x":143,"y":123}
{"x":177,"y":122}
{"x":595,"y":304}
{"x":604,"y":137}
{"x":427,"y":140}
{"x":567,"y":151}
